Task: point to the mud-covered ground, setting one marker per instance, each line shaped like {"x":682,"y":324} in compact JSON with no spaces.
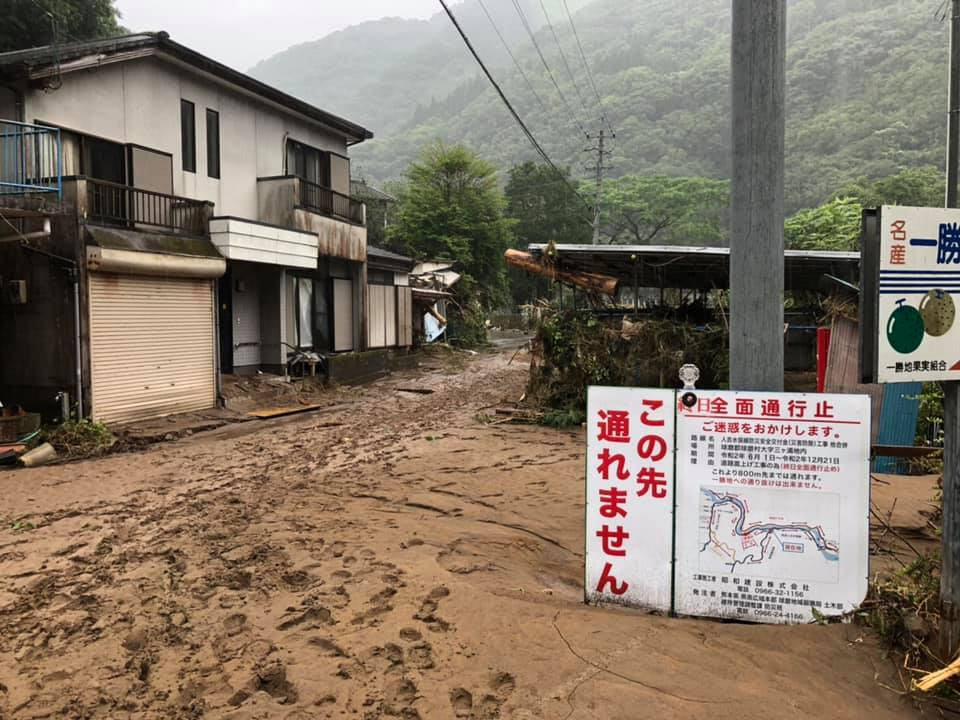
{"x":391,"y":557}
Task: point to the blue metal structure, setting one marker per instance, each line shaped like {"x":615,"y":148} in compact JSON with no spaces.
{"x":30,"y":159}
{"x":898,"y":422}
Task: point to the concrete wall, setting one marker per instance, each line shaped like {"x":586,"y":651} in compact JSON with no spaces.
{"x":139,"y":102}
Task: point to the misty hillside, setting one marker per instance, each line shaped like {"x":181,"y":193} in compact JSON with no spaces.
{"x":377,"y":73}
{"x":866,"y":88}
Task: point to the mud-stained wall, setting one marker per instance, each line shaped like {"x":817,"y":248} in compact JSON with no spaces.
{"x":336,"y":238}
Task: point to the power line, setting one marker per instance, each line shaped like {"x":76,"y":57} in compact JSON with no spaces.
{"x":526,"y":131}
{"x":563,"y":55}
{"x":536,"y":45}
{"x":513,"y":57}
{"x":586,"y":66}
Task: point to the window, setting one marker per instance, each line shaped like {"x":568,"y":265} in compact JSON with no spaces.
{"x":213,"y":143}
{"x":188,"y":136}
{"x":308,"y":163}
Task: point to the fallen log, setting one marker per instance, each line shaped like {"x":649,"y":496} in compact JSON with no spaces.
{"x":593,"y":282}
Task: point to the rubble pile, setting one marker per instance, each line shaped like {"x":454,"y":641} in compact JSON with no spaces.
{"x":573,"y":349}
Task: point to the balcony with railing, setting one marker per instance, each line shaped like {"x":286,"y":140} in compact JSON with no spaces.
{"x":338,"y":220}
{"x":327,"y":201}
{"x":113,"y":204}
{"x":30,"y":160}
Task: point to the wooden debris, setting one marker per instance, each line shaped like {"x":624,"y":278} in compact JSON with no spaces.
{"x":281,"y":411}
{"x":593,"y":282}
{"x":931,"y":680}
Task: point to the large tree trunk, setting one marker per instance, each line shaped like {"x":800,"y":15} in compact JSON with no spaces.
{"x":592,"y":282}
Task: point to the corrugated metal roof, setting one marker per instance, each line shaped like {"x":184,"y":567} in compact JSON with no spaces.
{"x":694,"y":268}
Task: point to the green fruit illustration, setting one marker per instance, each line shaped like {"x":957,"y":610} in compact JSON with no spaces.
{"x":905,"y":328}
{"x":938,"y":312}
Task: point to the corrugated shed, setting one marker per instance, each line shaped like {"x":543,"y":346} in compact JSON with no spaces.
{"x":898,"y":422}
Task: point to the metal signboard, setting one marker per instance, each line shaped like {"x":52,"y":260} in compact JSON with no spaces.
{"x":772,"y":505}
{"x":917,"y":294}
{"x":630,"y":496}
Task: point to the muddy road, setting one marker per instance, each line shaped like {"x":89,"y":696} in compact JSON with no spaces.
{"x":391,"y":557}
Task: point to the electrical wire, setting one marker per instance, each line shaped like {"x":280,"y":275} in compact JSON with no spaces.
{"x":543,"y":59}
{"x":586,"y":66}
{"x":563,"y":55}
{"x":513,"y":57}
{"x":506,"y":102}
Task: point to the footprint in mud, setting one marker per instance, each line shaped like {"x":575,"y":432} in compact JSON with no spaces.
{"x":310,"y":618}
{"x":328,"y":647}
{"x":461,"y":700}
{"x":428,"y":610}
{"x":334,"y":550}
{"x":410,"y":634}
{"x":234,"y":624}
{"x":398,"y":696}
{"x":420,"y":656}
{"x":271,"y":678}
{"x":501,"y":685}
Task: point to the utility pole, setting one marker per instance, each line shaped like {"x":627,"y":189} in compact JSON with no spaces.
{"x":950,"y":534}
{"x":758,"y":54}
{"x":598,"y":149}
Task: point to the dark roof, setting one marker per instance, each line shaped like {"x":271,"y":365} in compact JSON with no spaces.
{"x":378,"y":257}
{"x":360,"y":189}
{"x":34,"y":62}
{"x":699,"y":268}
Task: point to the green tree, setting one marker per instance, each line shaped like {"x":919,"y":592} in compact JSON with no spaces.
{"x":661,"y":210}
{"x":832,"y":226}
{"x":835,"y":225}
{"x":450,"y":207}
{"x":545,"y":208}
{"x":921,"y":187}
{"x":33,"y":23}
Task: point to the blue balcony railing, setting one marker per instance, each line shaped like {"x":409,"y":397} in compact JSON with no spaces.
{"x":30,"y":159}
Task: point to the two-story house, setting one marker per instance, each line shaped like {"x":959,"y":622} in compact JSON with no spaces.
{"x":163,"y":216}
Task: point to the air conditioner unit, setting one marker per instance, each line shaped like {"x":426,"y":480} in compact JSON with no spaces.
{"x":15,"y":292}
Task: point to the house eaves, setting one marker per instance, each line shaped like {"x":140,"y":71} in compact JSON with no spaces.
{"x":37,"y":64}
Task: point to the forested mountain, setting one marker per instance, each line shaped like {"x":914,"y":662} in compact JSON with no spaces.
{"x":866,"y":87}
{"x":378,"y":73}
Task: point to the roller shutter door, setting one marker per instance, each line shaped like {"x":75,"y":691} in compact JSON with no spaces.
{"x":151,"y":346}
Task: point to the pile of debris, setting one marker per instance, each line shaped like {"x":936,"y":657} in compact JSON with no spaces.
{"x":19,"y":437}
{"x":576,"y":348}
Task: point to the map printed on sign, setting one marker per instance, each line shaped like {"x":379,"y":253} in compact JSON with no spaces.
{"x":629,"y":496}
{"x":772,"y":503}
{"x":919,"y":289}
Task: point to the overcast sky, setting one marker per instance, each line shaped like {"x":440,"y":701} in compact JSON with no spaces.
{"x":242,"y":32}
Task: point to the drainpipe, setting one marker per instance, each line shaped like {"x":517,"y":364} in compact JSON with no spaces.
{"x":221,"y":400}
{"x":75,"y":277}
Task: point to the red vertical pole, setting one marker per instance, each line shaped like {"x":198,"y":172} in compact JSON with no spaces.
{"x":823,"y":347}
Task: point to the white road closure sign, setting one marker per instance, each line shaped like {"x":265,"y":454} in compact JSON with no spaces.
{"x":629,"y":496}
{"x":919,"y":288}
{"x":773,"y":496}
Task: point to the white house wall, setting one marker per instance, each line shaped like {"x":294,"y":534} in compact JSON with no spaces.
{"x":139,"y":102}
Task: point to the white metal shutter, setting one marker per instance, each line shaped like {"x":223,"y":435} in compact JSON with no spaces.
{"x":151,"y":346}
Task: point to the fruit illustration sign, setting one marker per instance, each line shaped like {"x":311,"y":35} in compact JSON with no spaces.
{"x":919,"y":290}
